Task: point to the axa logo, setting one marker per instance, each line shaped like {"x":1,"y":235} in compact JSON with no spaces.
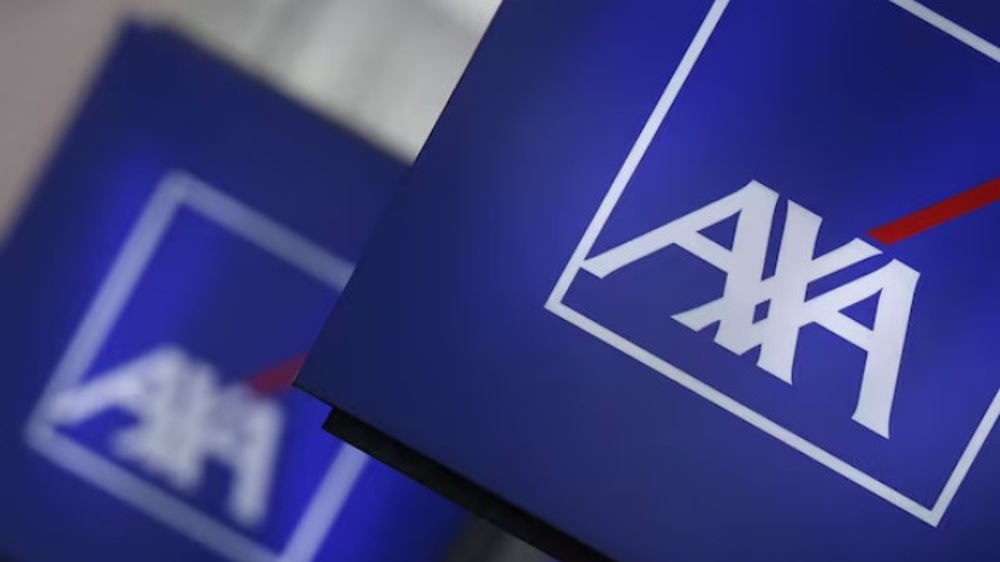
{"x":790,"y":353}
{"x":170,"y":397}
{"x":784,"y":293}
{"x":185,"y":417}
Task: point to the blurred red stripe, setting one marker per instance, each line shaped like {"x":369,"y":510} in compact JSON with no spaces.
{"x":279,"y":377}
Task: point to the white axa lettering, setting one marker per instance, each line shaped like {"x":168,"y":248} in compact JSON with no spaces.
{"x":785,"y":292}
{"x":185,"y":418}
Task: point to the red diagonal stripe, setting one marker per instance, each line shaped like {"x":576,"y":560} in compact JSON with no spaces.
{"x":938,"y":213}
{"x":279,"y":377}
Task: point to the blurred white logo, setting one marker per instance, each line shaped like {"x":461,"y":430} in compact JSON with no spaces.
{"x":185,"y":418}
{"x":174,"y":418}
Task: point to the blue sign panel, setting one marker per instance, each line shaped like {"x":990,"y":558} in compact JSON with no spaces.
{"x":179,"y":256}
{"x":703,"y":280}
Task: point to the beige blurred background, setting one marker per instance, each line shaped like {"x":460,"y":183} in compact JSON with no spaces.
{"x":384,"y":67}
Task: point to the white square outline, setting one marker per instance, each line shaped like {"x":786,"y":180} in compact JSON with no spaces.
{"x":175,"y":191}
{"x":554,"y":304}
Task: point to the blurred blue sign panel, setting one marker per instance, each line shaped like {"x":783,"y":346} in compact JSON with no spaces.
{"x":718,"y":272}
{"x":194,"y":230}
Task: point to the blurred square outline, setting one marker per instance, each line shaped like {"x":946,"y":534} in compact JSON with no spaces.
{"x":175,"y":191}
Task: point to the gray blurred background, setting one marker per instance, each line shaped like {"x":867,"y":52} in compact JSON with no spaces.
{"x":383,"y":67}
